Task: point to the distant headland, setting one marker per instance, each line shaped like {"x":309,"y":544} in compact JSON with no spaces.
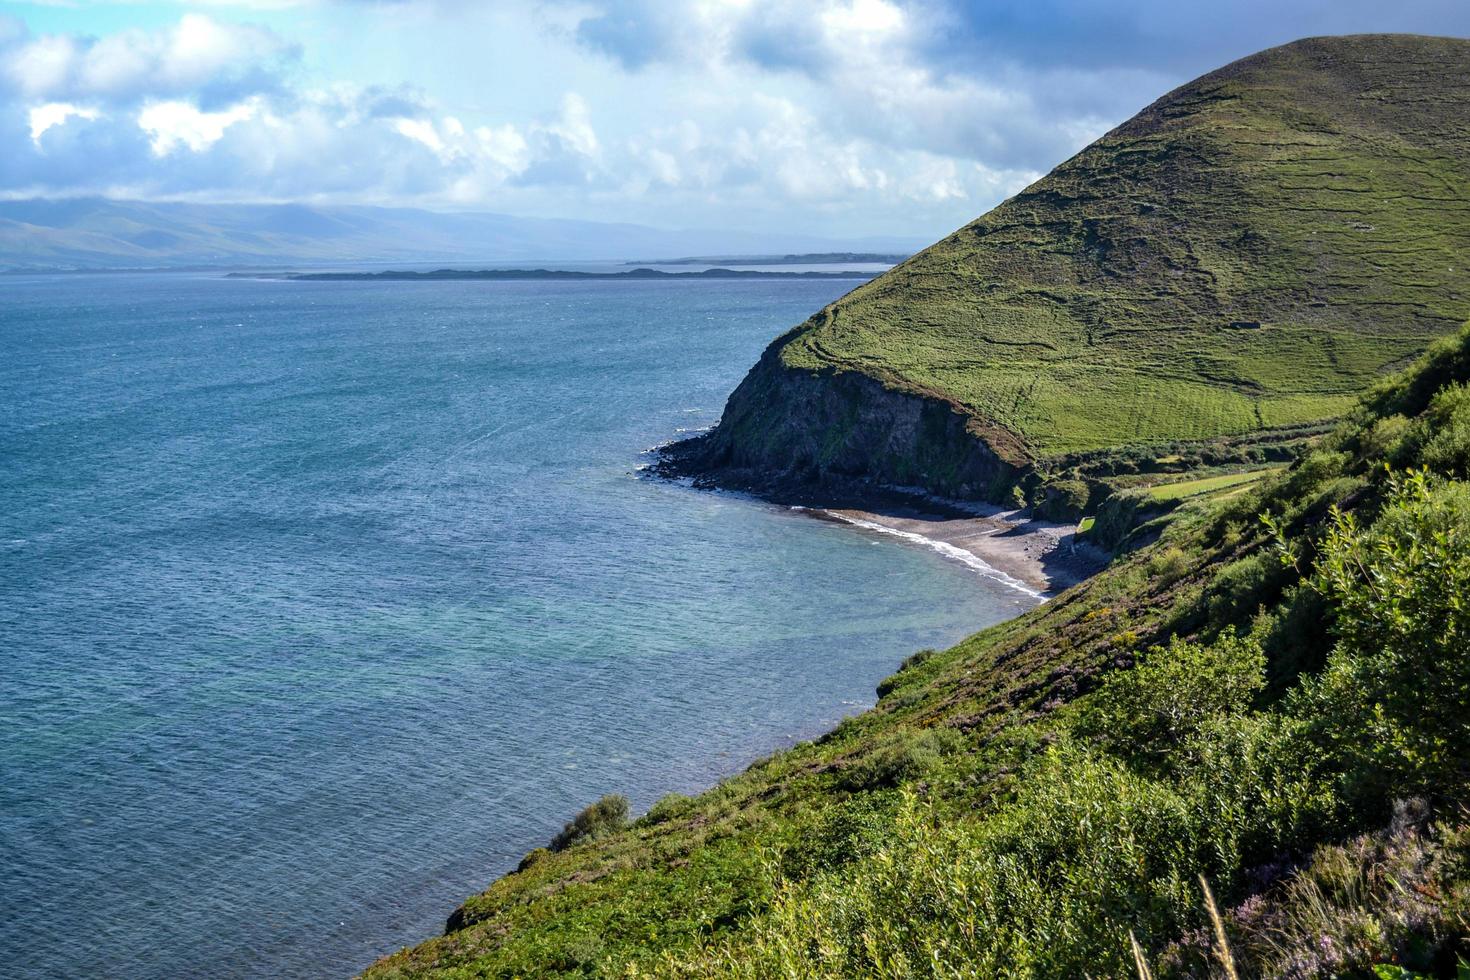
{"x":543,"y":274}
{"x":805,"y":258}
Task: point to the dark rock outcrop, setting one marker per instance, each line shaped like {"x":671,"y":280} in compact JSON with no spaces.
{"x":787,"y":432}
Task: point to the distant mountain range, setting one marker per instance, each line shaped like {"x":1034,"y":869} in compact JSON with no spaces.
{"x":93,"y":233}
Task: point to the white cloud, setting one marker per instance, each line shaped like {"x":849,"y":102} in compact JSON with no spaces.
{"x":752,"y":113}
{"x":42,"y":67}
{"x":171,"y":125}
{"x":197,"y":53}
{"x":421,"y":131}
{"x":575,"y":125}
{"x":197,"y":50}
{"x":52,"y":114}
{"x":504,"y":148}
{"x":864,"y":21}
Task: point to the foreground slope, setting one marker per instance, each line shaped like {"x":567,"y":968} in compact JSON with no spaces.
{"x":1277,"y":704}
{"x":1249,"y":252}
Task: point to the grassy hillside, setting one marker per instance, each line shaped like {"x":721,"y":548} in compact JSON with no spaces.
{"x":1250,"y":251}
{"x":1271,"y":696}
{"x":1275,"y":695}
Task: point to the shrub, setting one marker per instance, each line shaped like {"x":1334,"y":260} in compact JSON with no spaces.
{"x":904,"y":673}
{"x":1447,"y":361}
{"x":901,"y":759}
{"x":532,"y":859}
{"x":1313,"y":470}
{"x":1151,"y":711}
{"x":1391,"y":703}
{"x":1041,"y":888}
{"x":670,"y":806}
{"x":606,"y":816}
{"x":1447,"y":450}
{"x":1397,"y":895}
{"x":854,"y":830}
{"x":1384,"y":440}
{"x":1063,"y":500}
{"x":1240,"y":588}
{"x":1293,"y":637}
{"x":1167,"y":566}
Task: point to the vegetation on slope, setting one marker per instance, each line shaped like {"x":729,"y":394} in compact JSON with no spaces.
{"x":1275,"y":695}
{"x":1251,"y":251}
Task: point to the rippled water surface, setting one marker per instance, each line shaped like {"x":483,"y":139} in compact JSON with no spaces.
{"x":321,"y":603}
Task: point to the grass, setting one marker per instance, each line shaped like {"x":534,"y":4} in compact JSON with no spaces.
{"x":1205,"y":485}
{"x":1039,"y":800}
{"x":1018,"y":804}
{"x":1249,"y":252}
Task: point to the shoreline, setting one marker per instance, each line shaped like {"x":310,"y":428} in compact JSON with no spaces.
{"x":1038,"y":558}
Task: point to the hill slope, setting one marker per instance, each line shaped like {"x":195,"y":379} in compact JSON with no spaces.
{"x":1273,"y":694}
{"x":1015,"y":805}
{"x":1248,"y":252}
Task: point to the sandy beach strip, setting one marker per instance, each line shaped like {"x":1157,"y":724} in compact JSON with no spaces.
{"x":1035,"y":557}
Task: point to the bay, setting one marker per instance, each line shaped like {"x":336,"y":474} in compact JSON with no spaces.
{"x":321,"y":603}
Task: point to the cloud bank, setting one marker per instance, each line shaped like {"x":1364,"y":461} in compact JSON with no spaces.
{"x":845,"y":116}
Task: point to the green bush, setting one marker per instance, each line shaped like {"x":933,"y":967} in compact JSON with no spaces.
{"x":670,"y":806}
{"x":1391,"y":704}
{"x":1447,"y":362}
{"x":1152,"y":711}
{"x":606,"y":816}
{"x":1167,"y":566}
{"x":1384,"y":441}
{"x":1447,"y":427}
{"x":1240,"y":588}
{"x":1063,"y":500}
{"x":1293,"y":637}
{"x":854,"y":830}
{"x":532,"y":858}
{"x":1313,"y":470}
{"x":905,"y":672}
{"x":902,"y":758}
{"x":1045,"y":887}
{"x":1354,"y":908}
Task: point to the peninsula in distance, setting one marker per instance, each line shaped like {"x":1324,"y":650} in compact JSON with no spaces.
{"x":566,"y":275}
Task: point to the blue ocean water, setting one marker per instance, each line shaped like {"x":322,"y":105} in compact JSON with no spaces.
{"x":321,"y":603}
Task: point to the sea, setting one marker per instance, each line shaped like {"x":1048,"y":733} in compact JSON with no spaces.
{"x":321,"y":603}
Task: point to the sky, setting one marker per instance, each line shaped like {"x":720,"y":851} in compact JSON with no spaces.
{"x":830,"y":117}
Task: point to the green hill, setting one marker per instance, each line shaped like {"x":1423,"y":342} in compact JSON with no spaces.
{"x":1271,"y":696}
{"x":1279,"y":705}
{"x":1247,"y":253}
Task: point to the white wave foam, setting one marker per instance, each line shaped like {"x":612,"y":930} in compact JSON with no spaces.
{"x":944,"y":548}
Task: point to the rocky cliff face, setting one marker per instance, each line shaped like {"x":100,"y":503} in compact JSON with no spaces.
{"x":787,"y":432}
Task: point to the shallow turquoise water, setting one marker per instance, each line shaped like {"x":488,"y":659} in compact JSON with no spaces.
{"x":321,"y":603}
